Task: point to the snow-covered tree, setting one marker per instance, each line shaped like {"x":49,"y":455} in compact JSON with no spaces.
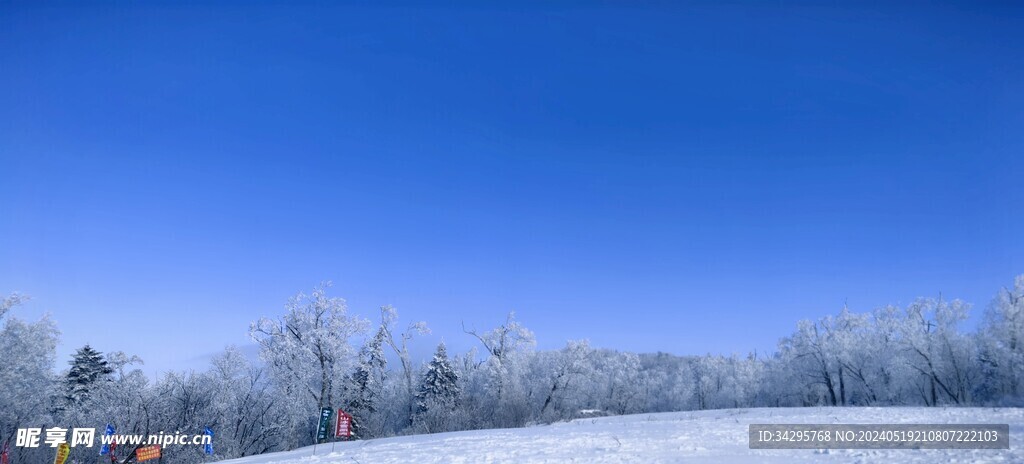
{"x":622,"y":385}
{"x":27,"y":383}
{"x":307,"y":351}
{"x":812,"y":354}
{"x":438,"y":394}
{"x":10,"y":301}
{"x":365,"y":388}
{"x":88,"y":366}
{"x":474,"y":402}
{"x":670,"y":380}
{"x":1002,"y":344}
{"x":245,"y":415}
{"x":920,"y":354}
{"x":564,"y":374}
{"x":400,"y":344}
{"x":944,"y":358}
{"x":510,"y":346}
{"x":129,"y":402}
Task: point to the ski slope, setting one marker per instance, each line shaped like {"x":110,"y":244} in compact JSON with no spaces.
{"x":718,"y":437}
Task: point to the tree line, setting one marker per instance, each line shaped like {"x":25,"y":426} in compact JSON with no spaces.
{"x":319,"y":355}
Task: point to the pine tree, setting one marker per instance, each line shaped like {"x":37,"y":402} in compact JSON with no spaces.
{"x":440,"y":386}
{"x":87,"y":367}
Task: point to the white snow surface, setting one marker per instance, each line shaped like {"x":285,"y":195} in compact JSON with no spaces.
{"x":718,"y":436}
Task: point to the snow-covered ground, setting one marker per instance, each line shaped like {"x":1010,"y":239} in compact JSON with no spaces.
{"x":718,"y":437}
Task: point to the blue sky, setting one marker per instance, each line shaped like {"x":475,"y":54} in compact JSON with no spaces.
{"x":677,"y":177}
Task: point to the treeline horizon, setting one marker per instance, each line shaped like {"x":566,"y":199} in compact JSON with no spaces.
{"x":318,"y":355}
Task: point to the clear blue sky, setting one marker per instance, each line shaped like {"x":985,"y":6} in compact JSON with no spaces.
{"x":674,"y":177}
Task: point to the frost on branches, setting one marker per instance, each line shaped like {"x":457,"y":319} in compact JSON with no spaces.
{"x":308,"y":353}
{"x":317,"y":355}
{"x":438,"y":395}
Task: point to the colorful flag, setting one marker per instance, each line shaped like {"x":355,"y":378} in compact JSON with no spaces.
{"x":105,"y":450}
{"x":63,"y":450}
{"x":147,"y":452}
{"x":325,"y":423}
{"x":208,"y":449}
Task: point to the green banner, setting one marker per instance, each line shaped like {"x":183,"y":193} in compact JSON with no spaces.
{"x":325,"y":421}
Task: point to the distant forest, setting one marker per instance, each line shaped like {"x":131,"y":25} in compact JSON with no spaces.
{"x":318,"y":355}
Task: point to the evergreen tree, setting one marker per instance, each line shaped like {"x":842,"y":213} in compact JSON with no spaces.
{"x":440,"y":389}
{"x":87,"y":367}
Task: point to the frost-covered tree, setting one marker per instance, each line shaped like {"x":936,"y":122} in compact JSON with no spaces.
{"x":27,"y":383}
{"x":565,"y":374}
{"x":887,"y":373}
{"x":10,"y":301}
{"x":180,"y":401}
{"x":399,"y":343}
{"x":1002,"y":344}
{"x":128,"y":402}
{"x":246,"y":416}
{"x":920,"y":354}
{"x":944,"y":357}
{"x":307,"y":352}
{"x":781,"y":385}
{"x":859,"y":345}
{"x":670,"y":380}
{"x":711,"y":378}
{"x":510,"y":347}
{"x":812,"y":354}
{"x":88,"y":366}
{"x":365,"y":388}
{"x":438,"y":395}
{"x":474,"y":402}
{"x":622,"y":384}
{"x":838,"y":358}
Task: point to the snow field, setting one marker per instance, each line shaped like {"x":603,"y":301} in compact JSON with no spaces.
{"x":717,"y":436}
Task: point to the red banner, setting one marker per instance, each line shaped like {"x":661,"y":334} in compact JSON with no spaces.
{"x":147,"y":452}
{"x":343,"y":425}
